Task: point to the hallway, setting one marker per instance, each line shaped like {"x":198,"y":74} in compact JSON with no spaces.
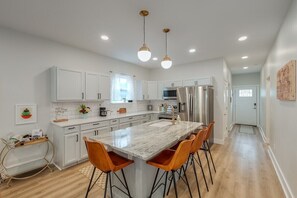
{"x":244,"y":170}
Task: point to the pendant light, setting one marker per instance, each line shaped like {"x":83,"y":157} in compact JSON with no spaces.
{"x":166,"y":62}
{"x":144,"y":53}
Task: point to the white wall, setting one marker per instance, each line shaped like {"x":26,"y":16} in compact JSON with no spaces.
{"x":199,"y":70}
{"x":228,"y":100}
{"x":25,"y":77}
{"x":283,"y":125}
{"x":246,"y":79}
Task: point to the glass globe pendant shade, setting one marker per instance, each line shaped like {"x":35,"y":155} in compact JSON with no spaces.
{"x":166,"y":62}
{"x":144,"y":54}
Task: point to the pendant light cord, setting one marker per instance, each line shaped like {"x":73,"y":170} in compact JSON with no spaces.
{"x":144,"y":29}
{"x":166,"y":43}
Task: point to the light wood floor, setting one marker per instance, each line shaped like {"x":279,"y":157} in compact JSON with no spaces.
{"x":244,"y":170}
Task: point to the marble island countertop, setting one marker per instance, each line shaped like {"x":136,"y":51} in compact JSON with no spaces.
{"x":98,"y":119}
{"x":147,"y":140}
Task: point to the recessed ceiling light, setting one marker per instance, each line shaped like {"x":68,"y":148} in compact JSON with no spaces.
{"x":192,"y":50}
{"x":104,"y":37}
{"x":244,"y":57}
{"x":155,"y":58}
{"x":245,"y":67}
{"x":242,"y":38}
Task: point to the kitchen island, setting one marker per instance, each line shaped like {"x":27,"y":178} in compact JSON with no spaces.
{"x":142,"y":143}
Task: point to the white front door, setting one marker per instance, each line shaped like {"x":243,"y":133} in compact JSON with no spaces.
{"x":246,"y":105}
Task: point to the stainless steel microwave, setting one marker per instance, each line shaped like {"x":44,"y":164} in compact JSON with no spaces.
{"x":169,"y":93}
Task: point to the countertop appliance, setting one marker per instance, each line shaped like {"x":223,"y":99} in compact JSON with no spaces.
{"x":196,"y":104}
{"x":102,"y":111}
{"x":169,"y":93}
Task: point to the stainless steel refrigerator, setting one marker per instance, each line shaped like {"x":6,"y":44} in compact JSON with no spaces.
{"x":196,"y":104}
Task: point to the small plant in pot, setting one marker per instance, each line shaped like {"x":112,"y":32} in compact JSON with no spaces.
{"x":84,"y":110}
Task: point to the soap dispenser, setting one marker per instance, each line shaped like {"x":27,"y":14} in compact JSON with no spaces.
{"x":178,"y":119}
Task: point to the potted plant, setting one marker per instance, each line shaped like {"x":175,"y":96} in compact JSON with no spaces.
{"x":84,"y":110}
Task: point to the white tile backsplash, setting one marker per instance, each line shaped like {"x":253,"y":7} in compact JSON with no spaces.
{"x":72,"y":111}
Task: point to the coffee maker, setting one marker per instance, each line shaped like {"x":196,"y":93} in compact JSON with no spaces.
{"x":102,"y":111}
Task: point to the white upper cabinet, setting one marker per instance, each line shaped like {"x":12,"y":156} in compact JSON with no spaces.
{"x":152,"y":87}
{"x":97,"y":86}
{"x":92,"y":86}
{"x":160,"y":90}
{"x":173,"y":83}
{"x":104,"y":87}
{"x":67,"y":85}
{"x":142,"y":90}
{"x":190,"y":82}
{"x":198,"y":82}
{"x":71,"y":85}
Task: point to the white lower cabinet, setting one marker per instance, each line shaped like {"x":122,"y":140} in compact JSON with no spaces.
{"x":83,"y":150}
{"x":114,"y":128}
{"x":88,"y":134}
{"x":154,"y":117}
{"x":71,"y":148}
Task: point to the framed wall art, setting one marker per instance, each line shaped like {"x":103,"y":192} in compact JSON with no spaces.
{"x":25,"y":113}
{"x":286,"y":82}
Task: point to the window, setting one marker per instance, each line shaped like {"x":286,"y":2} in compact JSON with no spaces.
{"x":122,"y":88}
{"x":246,"y":93}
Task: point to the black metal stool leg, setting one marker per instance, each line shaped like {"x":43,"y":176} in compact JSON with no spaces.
{"x":202,"y":170}
{"x":169,"y":186}
{"x":165,"y":184}
{"x":90,"y":182}
{"x":154,"y":182}
{"x":208,"y":148}
{"x":187,"y":182}
{"x":174,"y":183}
{"x":205,"y":152}
{"x":194,"y":169}
{"x":106,"y":181}
{"x":126,"y":182}
{"x":110,"y":185}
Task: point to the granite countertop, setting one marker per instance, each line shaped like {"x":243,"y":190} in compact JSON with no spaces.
{"x":98,"y":119}
{"x":147,"y":140}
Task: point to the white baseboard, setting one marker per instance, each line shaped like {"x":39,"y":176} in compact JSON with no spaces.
{"x":218,"y":141}
{"x":263,"y":135}
{"x":285,"y":186}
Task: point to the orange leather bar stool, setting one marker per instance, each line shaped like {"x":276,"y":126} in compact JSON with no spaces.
{"x":196,"y":145}
{"x":107,"y":162}
{"x":171,"y":161}
{"x":206,"y":148}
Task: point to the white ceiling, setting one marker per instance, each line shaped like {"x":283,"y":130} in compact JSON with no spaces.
{"x":211,"y":26}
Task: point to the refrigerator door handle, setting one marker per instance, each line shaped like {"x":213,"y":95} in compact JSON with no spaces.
{"x":191,"y":103}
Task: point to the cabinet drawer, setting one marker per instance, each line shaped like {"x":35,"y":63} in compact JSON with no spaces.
{"x":136,"y":123}
{"x":125,"y":125}
{"x":94,"y":125}
{"x":146,"y":119}
{"x":142,"y":116}
{"x":114,"y":122}
{"x":71,"y":129}
{"x":128,"y":119}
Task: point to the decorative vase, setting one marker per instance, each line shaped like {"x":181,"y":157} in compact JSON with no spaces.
{"x":84,"y":116}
